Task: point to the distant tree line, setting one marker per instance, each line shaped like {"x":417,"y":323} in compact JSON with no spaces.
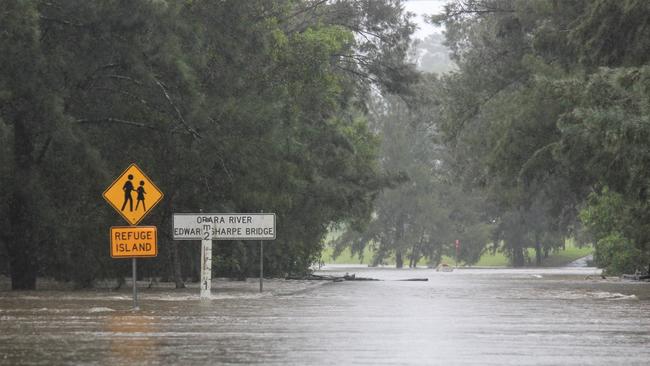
{"x":229,"y":106}
{"x":428,"y":209}
{"x":540,"y":133}
{"x":548,"y":114}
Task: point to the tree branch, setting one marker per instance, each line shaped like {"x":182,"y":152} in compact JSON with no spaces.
{"x":61,"y":21}
{"x":125,"y":93}
{"x":41,"y":154}
{"x":359,"y":74}
{"x":181,"y":120}
{"x":122,"y":77}
{"x":303,"y":10}
{"x":115,"y":121}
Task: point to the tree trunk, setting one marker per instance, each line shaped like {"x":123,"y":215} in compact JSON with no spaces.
{"x":413,"y":257}
{"x":174,"y":252}
{"x":415,"y":252}
{"x":21,"y":247}
{"x":399,"y":262}
{"x":517,"y":257}
{"x":176,"y":261}
{"x":538,"y":251}
{"x":399,"y":234}
{"x":495,"y":243}
{"x":438,"y":256}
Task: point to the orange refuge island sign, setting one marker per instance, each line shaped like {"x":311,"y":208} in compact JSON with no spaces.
{"x":134,"y":241}
{"x":133,"y":194}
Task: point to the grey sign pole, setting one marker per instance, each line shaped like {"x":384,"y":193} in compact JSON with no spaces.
{"x":135,"y":290}
{"x":261,"y":263}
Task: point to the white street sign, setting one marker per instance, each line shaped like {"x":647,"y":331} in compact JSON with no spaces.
{"x":224,"y":226}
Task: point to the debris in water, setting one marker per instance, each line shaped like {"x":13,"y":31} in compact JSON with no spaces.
{"x":415,"y":279}
{"x":100,"y":310}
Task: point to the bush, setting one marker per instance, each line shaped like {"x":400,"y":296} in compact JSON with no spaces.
{"x":618,"y":255}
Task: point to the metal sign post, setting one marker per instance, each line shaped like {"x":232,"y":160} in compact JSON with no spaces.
{"x":135,"y":290}
{"x":134,"y":242}
{"x":261,"y":265}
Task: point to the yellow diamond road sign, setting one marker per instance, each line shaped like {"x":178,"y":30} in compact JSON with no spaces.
{"x":133,"y":194}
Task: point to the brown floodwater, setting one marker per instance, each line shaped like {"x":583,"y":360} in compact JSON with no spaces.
{"x":466,"y":317}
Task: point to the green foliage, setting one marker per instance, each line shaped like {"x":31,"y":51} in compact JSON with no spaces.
{"x":618,"y":255}
{"x":424,"y":213}
{"x":532,"y":120}
{"x":499,"y":121}
{"x":612,"y":223}
{"x":613,"y":33}
{"x":556,"y":258}
{"x":228,"y":106}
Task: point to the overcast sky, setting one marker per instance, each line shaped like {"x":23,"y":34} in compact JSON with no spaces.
{"x":424,"y":7}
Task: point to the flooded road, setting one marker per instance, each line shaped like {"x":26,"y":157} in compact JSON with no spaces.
{"x":470,"y":316}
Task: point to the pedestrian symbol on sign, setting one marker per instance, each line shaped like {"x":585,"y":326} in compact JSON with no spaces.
{"x":141,"y":194}
{"x":121,"y":192}
{"x":127,"y":188}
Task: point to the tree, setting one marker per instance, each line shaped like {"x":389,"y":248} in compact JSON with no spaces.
{"x":607,"y":133}
{"x":534,"y":122}
{"x":424,"y":212}
{"x":499,"y":121}
{"x":245,"y":105}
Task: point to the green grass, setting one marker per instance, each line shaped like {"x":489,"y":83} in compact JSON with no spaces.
{"x":555,"y":259}
{"x":346,"y":257}
{"x":563,"y":257}
{"x":489,"y":260}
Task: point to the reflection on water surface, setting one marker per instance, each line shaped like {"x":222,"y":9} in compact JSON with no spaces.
{"x":481,"y":317}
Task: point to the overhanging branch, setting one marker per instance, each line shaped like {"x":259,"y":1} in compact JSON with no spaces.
{"x":181,"y":120}
{"x":116,"y":121}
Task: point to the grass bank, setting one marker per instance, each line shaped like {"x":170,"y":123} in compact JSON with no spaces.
{"x":555,"y":259}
